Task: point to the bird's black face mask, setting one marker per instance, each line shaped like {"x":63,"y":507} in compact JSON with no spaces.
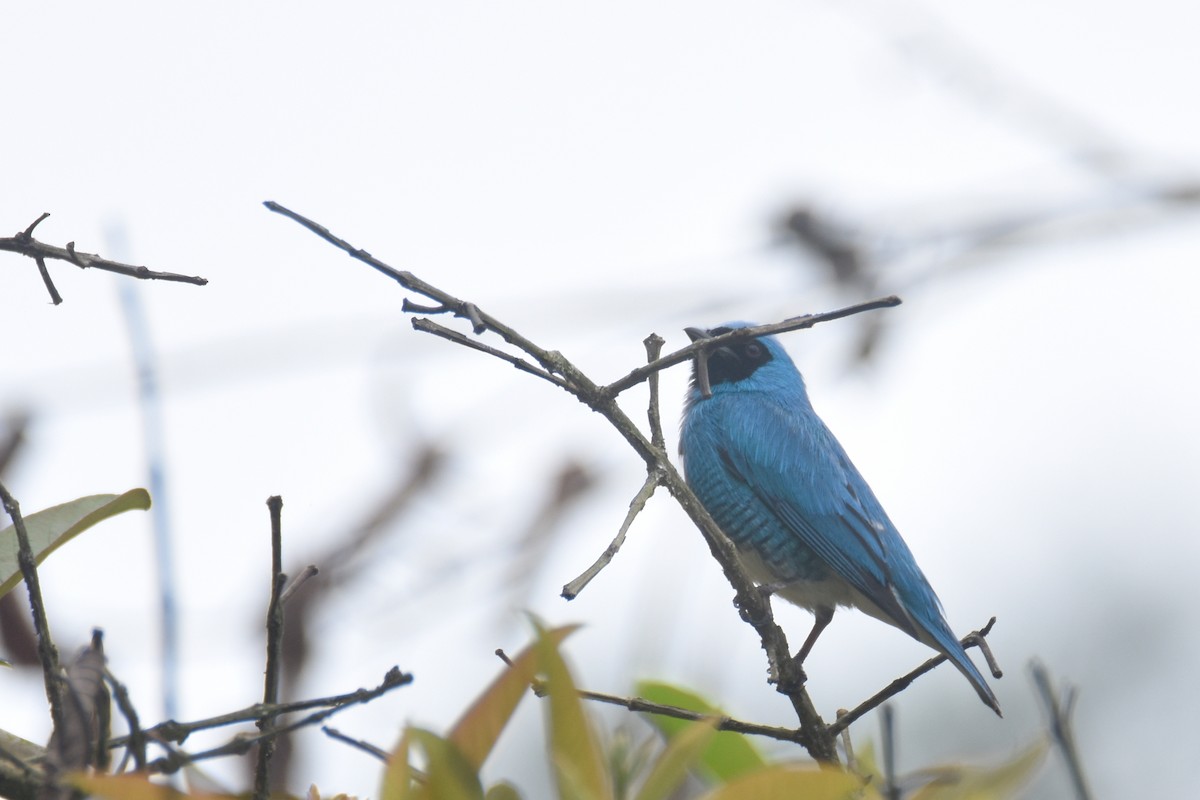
{"x":730,"y":363}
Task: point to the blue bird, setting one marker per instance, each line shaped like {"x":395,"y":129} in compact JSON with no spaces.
{"x":784,"y":491}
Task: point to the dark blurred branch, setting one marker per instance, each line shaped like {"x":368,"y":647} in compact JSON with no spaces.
{"x":24,"y":244}
{"x":754,"y":605}
{"x":1061,"y":732}
{"x":571,"y":484}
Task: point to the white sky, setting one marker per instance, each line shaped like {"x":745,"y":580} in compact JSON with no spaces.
{"x":591,"y":173}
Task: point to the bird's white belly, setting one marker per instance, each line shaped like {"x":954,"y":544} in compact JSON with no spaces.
{"x":829,"y":593}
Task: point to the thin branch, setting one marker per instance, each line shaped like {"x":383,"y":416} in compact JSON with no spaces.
{"x":240,"y":745}
{"x":24,"y":244}
{"x":429,"y":326}
{"x":47,"y":652}
{"x":654,"y":345}
{"x":274,"y":644}
{"x":444,"y":302}
{"x":644,"y":706}
{"x":178,"y":732}
{"x":294,"y":585}
{"x":1061,"y":731}
{"x":55,"y":297}
{"x":366,"y":747}
{"x":690,"y":352}
{"x":972,"y":639}
{"x":572,"y":589}
{"x":136,"y":741}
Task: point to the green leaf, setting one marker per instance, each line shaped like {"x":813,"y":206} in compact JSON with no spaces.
{"x":52,"y":528}
{"x":448,"y":773}
{"x":983,"y":783}
{"x":728,"y":754}
{"x":788,"y":782}
{"x":574,"y":750}
{"x":673,"y":764}
{"x":476,"y":732}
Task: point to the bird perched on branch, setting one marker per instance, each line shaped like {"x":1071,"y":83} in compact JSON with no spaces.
{"x":783,"y":490}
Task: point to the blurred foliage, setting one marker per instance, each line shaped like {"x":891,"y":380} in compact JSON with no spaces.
{"x":721,"y":765}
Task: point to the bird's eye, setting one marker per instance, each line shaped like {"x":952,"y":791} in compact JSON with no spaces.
{"x":752,"y":350}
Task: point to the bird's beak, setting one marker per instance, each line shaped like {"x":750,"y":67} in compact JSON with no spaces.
{"x":696,"y":334}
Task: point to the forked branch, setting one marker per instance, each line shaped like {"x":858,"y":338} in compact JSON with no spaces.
{"x":553,"y":367}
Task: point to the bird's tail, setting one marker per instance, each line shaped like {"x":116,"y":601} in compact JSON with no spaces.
{"x":943,"y":639}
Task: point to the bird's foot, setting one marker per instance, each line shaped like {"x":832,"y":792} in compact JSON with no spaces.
{"x":746,"y":610}
{"x":791,"y":676}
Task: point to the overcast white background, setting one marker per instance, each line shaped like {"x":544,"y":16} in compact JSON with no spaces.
{"x":592,"y":173}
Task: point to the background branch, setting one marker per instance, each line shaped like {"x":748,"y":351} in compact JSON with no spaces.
{"x":24,"y":244}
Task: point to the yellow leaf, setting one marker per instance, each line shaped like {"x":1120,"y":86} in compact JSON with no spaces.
{"x":476,"y":732}
{"x":574,"y":750}
{"x":397,"y":776}
{"x":983,"y":783}
{"x":133,"y":787}
{"x":53,"y":527}
{"x":787,"y":782}
{"x":448,"y":774}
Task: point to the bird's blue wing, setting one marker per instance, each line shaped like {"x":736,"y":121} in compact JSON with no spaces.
{"x":800,"y":472}
{"x":770,"y":451}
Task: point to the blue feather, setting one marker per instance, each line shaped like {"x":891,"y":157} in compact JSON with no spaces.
{"x":783,"y":489}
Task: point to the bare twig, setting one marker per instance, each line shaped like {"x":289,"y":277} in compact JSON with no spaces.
{"x":47,"y":652}
{"x":266,"y":747}
{"x":429,"y":326}
{"x":136,"y":741}
{"x":972,"y":639}
{"x":802,"y":322}
{"x":366,"y":747}
{"x":24,"y":244}
{"x":178,"y":732}
{"x":1061,"y":731}
{"x":55,"y":297}
{"x":572,"y":589}
{"x":642,"y":705}
{"x":242,"y":744}
{"x":654,"y":345}
{"x":847,"y":745}
{"x":887,"y":736}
